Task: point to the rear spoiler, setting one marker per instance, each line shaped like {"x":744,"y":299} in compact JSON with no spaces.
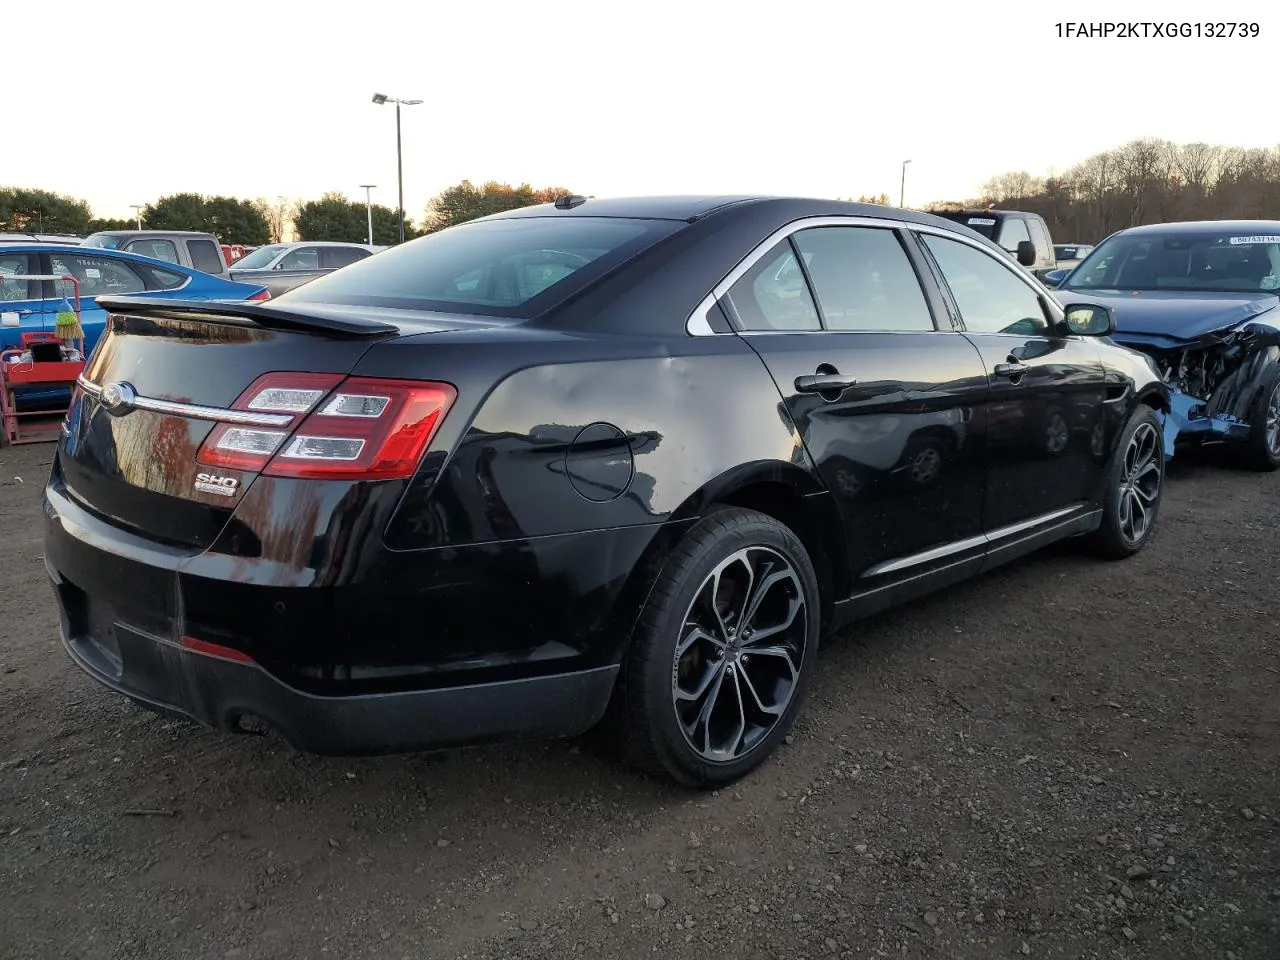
{"x":317,"y":319}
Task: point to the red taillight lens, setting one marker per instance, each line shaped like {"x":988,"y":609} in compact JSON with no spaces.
{"x":261,"y":295}
{"x":364,"y":428}
{"x":367,"y":428}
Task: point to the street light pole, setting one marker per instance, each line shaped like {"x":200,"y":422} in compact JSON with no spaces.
{"x":902,"y":192}
{"x":368,"y":206}
{"x":381,"y":98}
{"x":137,"y":212}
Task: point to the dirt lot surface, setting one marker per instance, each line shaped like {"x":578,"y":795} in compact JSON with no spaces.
{"x":1061,"y":759}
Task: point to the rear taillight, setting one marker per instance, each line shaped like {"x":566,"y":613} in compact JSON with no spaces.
{"x":261,"y":295}
{"x":358,"y":428}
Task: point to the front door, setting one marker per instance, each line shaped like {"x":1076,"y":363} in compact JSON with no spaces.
{"x":1045,"y":415}
{"x":889,"y":407}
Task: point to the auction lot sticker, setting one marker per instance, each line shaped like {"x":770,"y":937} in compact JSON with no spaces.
{"x":1241,"y":240}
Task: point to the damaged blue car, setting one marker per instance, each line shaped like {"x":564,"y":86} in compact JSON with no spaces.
{"x":1202,"y":300}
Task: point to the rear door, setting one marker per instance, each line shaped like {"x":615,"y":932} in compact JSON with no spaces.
{"x":889,"y":406}
{"x":1045,"y":410}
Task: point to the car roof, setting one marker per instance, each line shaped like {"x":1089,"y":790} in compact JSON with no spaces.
{"x":320,"y":243}
{"x":1206,"y":226}
{"x":152,"y":233}
{"x":690,"y":208}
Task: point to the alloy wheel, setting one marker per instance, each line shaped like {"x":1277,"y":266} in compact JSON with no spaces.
{"x":738,"y":661}
{"x":1273,"y":421}
{"x":1140,"y":481}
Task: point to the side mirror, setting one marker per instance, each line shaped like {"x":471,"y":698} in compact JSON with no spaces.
{"x":1054,"y":278}
{"x":1026,"y":252}
{"x":1089,"y":319}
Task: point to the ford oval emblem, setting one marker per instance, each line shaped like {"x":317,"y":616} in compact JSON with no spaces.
{"x":117,"y":398}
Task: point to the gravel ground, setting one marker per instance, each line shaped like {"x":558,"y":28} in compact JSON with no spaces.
{"x":1061,"y":759}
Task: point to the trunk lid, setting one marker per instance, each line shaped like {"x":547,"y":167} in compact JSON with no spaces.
{"x":137,"y":467}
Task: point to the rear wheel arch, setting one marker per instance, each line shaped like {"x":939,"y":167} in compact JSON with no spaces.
{"x":782,"y":491}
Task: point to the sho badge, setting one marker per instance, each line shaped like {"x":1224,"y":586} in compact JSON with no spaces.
{"x":212,"y":483}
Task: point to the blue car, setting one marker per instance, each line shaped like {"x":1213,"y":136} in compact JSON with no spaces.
{"x":33,"y":305}
{"x":1202,"y":300}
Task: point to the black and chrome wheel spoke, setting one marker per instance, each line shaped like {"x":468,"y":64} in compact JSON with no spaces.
{"x":1140,"y":483}
{"x":729,"y":688}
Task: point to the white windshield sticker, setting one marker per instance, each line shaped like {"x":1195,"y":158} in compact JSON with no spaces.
{"x":93,"y":273}
{"x":983,"y":221}
{"x":1240,"y":240}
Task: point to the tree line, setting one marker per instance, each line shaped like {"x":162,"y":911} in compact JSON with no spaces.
{"x":254,"y":222}
{"x":1144,"y":181}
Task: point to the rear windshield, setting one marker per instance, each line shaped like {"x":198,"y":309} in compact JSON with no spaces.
{"x":515,"y":267}
{"x":984,"y":224}
{"x":103,"y":241}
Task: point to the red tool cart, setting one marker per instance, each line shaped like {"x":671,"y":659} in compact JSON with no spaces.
{"x":44,"y":359}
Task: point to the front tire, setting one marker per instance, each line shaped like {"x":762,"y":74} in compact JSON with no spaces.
{"x":1262,"y":447}
{"x":724,"y":651}
{"x":1135,"y":485}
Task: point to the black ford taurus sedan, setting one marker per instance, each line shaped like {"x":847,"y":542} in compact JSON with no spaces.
{"x":614,"y":463}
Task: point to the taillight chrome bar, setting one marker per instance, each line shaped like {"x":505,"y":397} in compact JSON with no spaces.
{"x":194,"y":411}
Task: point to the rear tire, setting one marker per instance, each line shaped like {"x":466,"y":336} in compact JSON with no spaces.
{"x":723,"y":654}
{"x":1135,"y":486}
{"x":1262,"y":447}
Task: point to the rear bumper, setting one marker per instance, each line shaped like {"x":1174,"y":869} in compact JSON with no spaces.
{"x":220,"y":693}
{"x":357,"y":669}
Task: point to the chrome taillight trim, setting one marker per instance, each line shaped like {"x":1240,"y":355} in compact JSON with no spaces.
{"x":193,"y":411}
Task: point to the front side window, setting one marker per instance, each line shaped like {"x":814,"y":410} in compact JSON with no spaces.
{"x":97,"y":276}
{"x":1012,"y":232}
{"x":863,"y":279}
{"x":514,"y":267}
{"x":773,"y":294}
{"x":990,"y":296}
{"x":11,"y":265}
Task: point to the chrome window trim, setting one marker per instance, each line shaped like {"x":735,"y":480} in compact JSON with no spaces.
{"x":194,"y":411}
{"x":968,"y":543}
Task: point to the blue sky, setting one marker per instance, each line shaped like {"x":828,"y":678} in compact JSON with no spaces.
{"x":820,"y":99}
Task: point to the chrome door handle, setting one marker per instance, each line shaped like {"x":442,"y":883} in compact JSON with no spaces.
{"x":824,"y":382}
{"x":1011,"y":370}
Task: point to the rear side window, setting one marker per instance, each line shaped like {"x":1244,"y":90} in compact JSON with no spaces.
{"x":155,"y":249}
{"x":304,"y":258}
{"x":512,"y":267}
{"x":863,"y":279}
{"x":205,"y":256}
{"x":12,"y":264}
{"x":334,"y":257}
{"x":97,"y":276}
{"x":773,"y":294}
{"x":158,"y":279}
